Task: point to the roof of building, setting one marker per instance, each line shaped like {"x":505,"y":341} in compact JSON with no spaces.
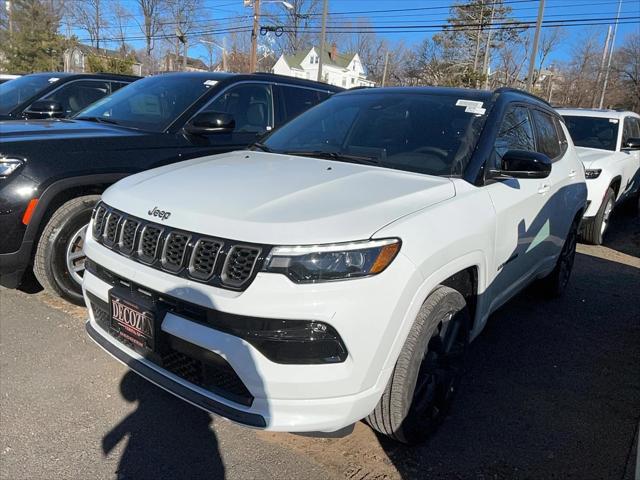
{"x":191,"y":62}
{"x":90,"y":50}
{"x":340,"y":60}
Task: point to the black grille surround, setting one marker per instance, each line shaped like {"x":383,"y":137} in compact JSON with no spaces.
{"x":215,"y":261}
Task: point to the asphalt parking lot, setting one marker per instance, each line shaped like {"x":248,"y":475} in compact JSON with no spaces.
{"x":552,"y":391}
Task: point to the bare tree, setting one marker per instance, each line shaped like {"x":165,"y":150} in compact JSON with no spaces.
{"x":296,"y":23}
{"x":151,"y":11}
{"x":121,"y":14}
{"x":550,"y":40}
{"x":627,"y":69}
{"x":89,"y":15}
{"x":180,"y":17}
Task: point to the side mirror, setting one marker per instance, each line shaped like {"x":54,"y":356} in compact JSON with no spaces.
{"x":44,"y":109}
{"x":208,"y":123}
{"x":631,"y":144}
{"x":523,"y":164}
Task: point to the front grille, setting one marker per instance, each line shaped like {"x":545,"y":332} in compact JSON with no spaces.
{"x":149,"y":241}
{"x":239,"y":265}
{"x":219,"y":262}
{"x":190,"y":362}
{"x":175,"y":247}
{"x":128,"y":236}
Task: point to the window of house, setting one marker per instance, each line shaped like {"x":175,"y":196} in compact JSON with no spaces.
{"x":344,"y":82}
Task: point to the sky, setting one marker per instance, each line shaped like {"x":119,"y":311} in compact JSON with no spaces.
{"x":410,"y":21}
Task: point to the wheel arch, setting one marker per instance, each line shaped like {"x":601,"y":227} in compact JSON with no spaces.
{"x":615,"y":184}
{"x":60,"y":192}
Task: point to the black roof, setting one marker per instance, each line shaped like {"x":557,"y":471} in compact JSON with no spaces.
{"x":74,"y":76}
{"x":508,"y":94}
{"x":271,"y":77}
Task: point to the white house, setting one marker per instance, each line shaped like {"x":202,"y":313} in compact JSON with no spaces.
{"x":343,"y":70}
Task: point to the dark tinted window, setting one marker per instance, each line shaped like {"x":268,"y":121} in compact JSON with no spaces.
{"x":593,"y":132}
{"x":564,"y":143}
{"x":547,"y":135}
{"x":630,"y":129}
{"x":21,"y":89}
{"x":250,"y":105}
{"x":152,"y":103}
{"x":297,"y":100}
{"x":516,"y":133}
{"x":115,"y":86}
{"x":430,"y":134}
{"x":74,"y":96}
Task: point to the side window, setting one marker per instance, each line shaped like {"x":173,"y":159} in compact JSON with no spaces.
{"x":564,"y":143}
{"x":80,"y":94}
{"x":297,"y":100}
{"x":250,"y":105}
{"x":629,"y":129}
{"x":548,"y":141}
{"x":115,"y":86}
{"x":516,"y":133}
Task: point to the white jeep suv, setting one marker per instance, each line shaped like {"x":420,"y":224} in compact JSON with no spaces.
{"x":608,"y":143}
{"x":338,"y":270}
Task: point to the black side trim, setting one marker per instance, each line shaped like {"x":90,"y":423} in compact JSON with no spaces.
{"x":175,"y":388}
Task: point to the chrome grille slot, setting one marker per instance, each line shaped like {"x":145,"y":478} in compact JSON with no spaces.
{"x":98,"y":220}
{"x":149,"y":241}
{"x":239,"y":265}
{"x":111,"y":228}
{"x":203,"y":259}
{"x":173,"y":253}
{"x":127,"y":239}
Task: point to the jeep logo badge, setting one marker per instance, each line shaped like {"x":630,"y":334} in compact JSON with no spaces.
{"x":161,"y":214}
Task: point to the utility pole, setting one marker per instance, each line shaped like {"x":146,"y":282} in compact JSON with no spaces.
{"x":613,"y":41}
{"x":325,"y":11}
{"x":602,"y":62}
{"x":184,"y":57}
{"x":253,"y":59}
{"x":478,"y":36}
{"x":534,"y":48}
{"x":9,"y":8}
{"x":487,"y":49}
{"x":384,"y":71}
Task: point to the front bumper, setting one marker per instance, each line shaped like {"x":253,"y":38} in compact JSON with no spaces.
{"x":367,"y":314}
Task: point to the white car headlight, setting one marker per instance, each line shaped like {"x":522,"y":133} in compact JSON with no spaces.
{"x":338,"y":261}
{"x":9,"y":165}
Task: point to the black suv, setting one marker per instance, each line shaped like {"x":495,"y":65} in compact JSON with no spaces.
{"x":57,"y":94}
{"x":52,"y":172}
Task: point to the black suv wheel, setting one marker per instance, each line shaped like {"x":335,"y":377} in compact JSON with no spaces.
{"x":59,"y":260}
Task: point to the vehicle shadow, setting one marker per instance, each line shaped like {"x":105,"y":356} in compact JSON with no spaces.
{"x":165,"y":436}
{"x":623,"y":234}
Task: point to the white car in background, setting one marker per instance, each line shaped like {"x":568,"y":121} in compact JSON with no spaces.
{"x":608,"y":143}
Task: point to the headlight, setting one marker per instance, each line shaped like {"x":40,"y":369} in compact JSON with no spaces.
{"x":9,"y":165}
{"x":339,"y":261}
{"x":595,"y":173}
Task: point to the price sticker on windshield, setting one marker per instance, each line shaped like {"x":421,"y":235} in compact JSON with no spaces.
{"x":53,"y":79}
{"x":471,"y":106}
{"x":210,"y":83}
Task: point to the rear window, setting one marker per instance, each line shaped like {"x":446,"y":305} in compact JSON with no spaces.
{"x":593,"y":132}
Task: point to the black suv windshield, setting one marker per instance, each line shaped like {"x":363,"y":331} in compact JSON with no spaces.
{"x":151,"y":104}
{"x":424,"y":133}
{"x":16,"y":91}
{"x":593,"y":132}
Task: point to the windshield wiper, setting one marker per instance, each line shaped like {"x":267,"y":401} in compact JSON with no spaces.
{"x":341,"y":157}
{"x":98,"y":120}
{"x":261,"y":146}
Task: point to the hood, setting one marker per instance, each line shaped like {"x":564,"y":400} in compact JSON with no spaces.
{"x":589,"y":156}
{"x":277,"y":199}
{"x":33,"y":130}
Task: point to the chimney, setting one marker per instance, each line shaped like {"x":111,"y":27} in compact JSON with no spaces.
{"x":334,"y":51}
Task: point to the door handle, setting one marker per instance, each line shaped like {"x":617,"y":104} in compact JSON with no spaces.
{"x":572,"y":173}
{"x":544,"y":188}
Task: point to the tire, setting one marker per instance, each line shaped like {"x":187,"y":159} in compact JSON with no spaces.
{"x":593,"y":229}
{"x":59,"y":242}
{"x":419,"y":395}
{"x":554,"y":284}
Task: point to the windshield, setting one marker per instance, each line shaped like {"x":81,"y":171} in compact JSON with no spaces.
{"x":152,"y":103}
{"x":593,"y":132}
{"x":421,"y":133}
{"x":16,"y":91}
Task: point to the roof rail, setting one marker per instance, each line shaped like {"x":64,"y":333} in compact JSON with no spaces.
{"x":522,"y":92}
